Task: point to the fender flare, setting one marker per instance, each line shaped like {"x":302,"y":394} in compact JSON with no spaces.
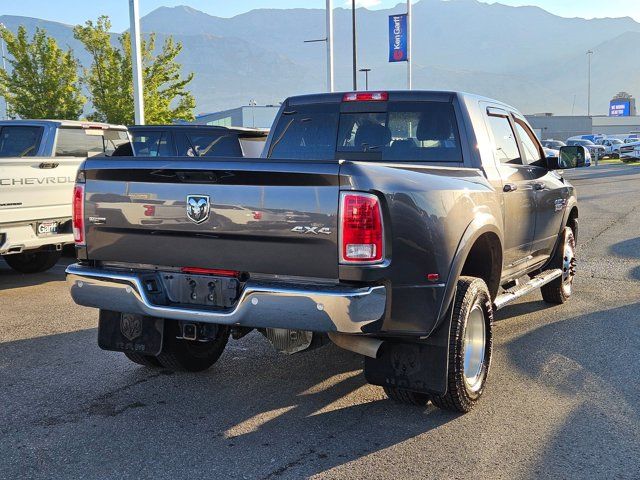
{"x":571,"y":203}
{"x":481,"y":224}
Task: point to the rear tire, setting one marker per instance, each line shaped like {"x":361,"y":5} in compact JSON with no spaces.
{"x":144,"y":360}
{"x":559,"y":290}
{"x":191,"y":356}
{"x":470,"y":342}
{"x":407,"y":397}
{"x":33,"y":261}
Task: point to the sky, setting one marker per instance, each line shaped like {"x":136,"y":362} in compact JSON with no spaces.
{"x":77,"y":11}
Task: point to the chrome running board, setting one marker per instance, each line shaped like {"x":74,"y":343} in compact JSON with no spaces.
{"x":511,"y":295}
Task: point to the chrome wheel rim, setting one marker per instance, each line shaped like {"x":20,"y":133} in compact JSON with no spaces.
{"x":474,"y":349}
{"x":568,"y":263}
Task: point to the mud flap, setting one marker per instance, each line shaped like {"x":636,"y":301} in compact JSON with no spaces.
{"x":419,"y":366}
{"x":125,"y":332}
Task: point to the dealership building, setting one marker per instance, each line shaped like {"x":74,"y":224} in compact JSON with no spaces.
{"x":622,"y":120}
{"x":248,"y":116}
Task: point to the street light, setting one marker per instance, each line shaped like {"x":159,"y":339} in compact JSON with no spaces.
{"x":366,"y":77}
{"x":589,"y":54}
{"x":136,"y":62}
{"x":355,"y":47}
{"x":329,"y":40}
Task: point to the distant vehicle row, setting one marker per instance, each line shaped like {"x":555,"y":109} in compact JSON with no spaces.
{"x":601,"y":146}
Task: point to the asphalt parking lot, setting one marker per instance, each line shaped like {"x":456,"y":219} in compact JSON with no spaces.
{"x":561,"y":401}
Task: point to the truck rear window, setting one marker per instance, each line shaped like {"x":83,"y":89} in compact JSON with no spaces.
{"x":406,"y":131}
{"x":19,"y":141}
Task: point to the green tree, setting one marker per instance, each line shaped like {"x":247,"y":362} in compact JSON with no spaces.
{"x":109,"y":78}
{"x":43,"y":79}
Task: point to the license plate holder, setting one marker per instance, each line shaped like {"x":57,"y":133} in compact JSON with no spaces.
{"x":125,"y":332}
{"x":47,"y":228}
{"x":201,"y":290}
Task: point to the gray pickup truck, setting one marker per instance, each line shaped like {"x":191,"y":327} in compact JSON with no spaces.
{"x":392,"y":223}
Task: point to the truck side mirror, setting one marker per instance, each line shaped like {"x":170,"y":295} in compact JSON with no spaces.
{"x":575,"y":156}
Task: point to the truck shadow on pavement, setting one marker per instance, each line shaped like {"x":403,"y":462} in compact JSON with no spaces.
{"x":255,"y":414}
{"x":9,"y":278}
{"x":591,"y":363}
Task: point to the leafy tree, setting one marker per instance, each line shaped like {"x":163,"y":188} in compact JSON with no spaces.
{"x":43,"y":79}
{"x":109,"y":78}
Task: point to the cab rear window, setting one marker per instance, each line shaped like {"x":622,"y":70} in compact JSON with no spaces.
{"x":406,"y":131}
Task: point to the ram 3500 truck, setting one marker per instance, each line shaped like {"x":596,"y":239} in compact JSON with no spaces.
{"x":393,"y":223}
{"x":39,"y":160}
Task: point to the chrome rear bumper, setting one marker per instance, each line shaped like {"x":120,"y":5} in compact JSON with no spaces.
{"x":261,"y":305}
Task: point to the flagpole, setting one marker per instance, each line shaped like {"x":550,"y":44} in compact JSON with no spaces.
{"x":136,"y":62}
{"x":409,"y":46}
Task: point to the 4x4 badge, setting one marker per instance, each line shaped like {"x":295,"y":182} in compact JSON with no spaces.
{"x":198,"y":208}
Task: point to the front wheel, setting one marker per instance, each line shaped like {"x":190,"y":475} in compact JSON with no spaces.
{"x":33,"y":261}
{"x":470,"y":342}
{"x":559,"y":290}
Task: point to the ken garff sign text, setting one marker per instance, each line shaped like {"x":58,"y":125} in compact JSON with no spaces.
{"x":398,"y":38}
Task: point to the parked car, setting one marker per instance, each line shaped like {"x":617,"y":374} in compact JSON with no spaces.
{"x":595,"y":150}
{"x":399,"y":223}
{"x":38,"y":164}
{"x":553,"y":144}
{"x":630,"y":152}
{"x":193,"y":141}
{"x":612,"y":146}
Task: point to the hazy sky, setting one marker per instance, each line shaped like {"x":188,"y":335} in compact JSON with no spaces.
{"x":77,"y":11}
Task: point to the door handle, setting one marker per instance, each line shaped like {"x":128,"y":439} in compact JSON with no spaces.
{"x":509,"y":187}
{"x":539,"y":186}
{"x":48,"y":165}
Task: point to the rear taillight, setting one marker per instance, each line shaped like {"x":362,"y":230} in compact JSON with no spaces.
{"x":365,"y":97}
{"x":361,"y":230}
{"x":78,"y":214}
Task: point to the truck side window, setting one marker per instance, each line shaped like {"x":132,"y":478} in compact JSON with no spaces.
{"x":529,"y":146}
{"x":19,"y":141}
{"x":150,"y":144}
{"x":75,"y":142}
{"x":505,"y":146}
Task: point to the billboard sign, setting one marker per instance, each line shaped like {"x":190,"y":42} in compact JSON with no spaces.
{"x":619,"y":108}
{"x":398,"y":38}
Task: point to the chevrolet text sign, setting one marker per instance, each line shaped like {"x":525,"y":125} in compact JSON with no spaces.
{"x":398,"y":38}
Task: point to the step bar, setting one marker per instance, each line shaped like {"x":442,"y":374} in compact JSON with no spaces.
{"x":511,"y":295}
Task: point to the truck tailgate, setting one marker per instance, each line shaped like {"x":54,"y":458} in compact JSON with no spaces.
{"x":34,"y":188}
{"x":269,"y":217}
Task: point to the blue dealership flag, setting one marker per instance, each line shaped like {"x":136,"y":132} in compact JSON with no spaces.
{"x":398,"y":38}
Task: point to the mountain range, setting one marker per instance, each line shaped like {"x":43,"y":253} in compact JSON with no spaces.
{"x":525,"y":56}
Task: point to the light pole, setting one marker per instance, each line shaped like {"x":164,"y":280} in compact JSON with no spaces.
{"x":366,"y":77}
{"x":136,"y":62}
{"x":589,"y":54}
{"x":252,"y":104}
{"x":329,"y":15}
{"x":4,"y":67}
{"x":329,"y":40}
{"x":355,"y":46}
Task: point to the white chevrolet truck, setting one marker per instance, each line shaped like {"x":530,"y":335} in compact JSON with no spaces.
{"x":38,"y":164}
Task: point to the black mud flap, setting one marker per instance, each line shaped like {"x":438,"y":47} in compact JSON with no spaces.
{"x":125,"y":332}
{"x":419,"y":366}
